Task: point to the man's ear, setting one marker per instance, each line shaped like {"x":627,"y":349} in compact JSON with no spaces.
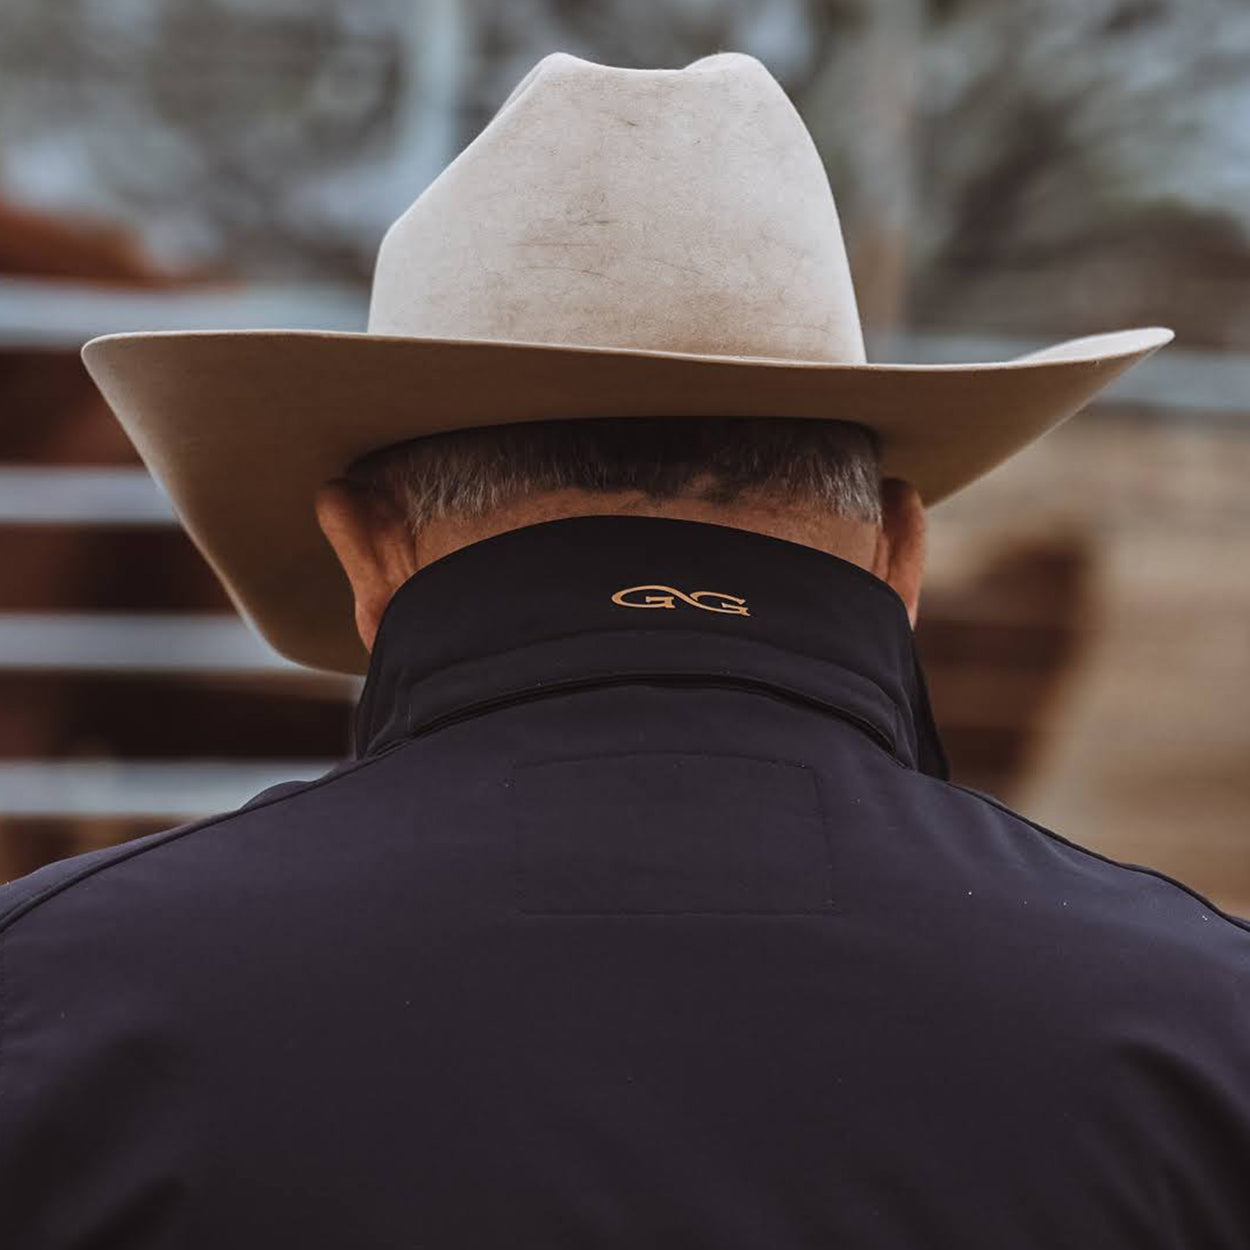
{"x":373,"y":545}
{"x":901,"y":546}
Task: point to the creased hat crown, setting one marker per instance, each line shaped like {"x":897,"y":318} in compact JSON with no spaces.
{"x":682,"y":210}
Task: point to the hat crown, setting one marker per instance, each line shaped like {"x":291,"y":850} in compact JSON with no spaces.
{"x":682,"y":210}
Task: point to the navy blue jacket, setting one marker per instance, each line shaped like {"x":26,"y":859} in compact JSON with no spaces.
{"x":645,"y":916}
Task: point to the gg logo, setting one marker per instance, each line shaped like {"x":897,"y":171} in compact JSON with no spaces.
{"x":668,"y":594}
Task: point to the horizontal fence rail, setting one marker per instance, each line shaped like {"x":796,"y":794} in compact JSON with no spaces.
{"x":153,"y":642}
{"x":74,"y":496}
{"x":48,"y":314}
{"x":173,"y":790}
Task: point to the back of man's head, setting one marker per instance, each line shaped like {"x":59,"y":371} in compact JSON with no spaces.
{"x":815,"y":482}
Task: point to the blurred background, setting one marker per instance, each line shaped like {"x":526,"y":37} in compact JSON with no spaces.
{"x":1008,"y":172}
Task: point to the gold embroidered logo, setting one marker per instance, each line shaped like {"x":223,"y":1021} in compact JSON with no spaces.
{"x":667,"y":596}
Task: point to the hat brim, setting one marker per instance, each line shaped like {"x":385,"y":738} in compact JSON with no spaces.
{"x":242,"y":427}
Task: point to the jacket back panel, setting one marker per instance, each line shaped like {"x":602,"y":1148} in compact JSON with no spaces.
{"x":622,"y":967}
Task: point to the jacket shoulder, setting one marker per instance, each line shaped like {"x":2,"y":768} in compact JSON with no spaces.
{"x":25,"y":893}
{"x":1181,"y":895}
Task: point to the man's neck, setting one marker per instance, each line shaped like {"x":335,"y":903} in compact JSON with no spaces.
{"x":850,"y":540}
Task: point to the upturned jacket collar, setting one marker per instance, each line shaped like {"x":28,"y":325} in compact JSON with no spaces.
{"x":594,"y":600}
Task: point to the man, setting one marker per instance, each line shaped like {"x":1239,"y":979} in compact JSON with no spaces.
{"x":646,"y":913}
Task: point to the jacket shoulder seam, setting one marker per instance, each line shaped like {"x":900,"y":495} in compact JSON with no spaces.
{"x":991,"y":801}
{"x":126,"y":851}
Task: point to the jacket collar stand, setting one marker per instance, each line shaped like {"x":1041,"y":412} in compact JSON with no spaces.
{"x":595,"y":599}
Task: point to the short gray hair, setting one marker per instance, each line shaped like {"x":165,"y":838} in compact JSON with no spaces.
{"x":833,"y":466}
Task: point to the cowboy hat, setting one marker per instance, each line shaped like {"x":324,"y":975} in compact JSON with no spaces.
{"x":615,"y":242}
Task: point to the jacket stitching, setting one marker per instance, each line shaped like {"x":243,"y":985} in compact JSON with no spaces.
{"x":828,"y":908}
{"x":822,"y":808}
{"x":752,"y":685}
{"x":664,"y":915}
{"x":1106,"y":859}
{"x":690,"y":634}
{"x":126,"y":852}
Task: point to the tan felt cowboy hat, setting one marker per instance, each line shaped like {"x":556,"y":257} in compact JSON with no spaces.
{"x":615,"y":242}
